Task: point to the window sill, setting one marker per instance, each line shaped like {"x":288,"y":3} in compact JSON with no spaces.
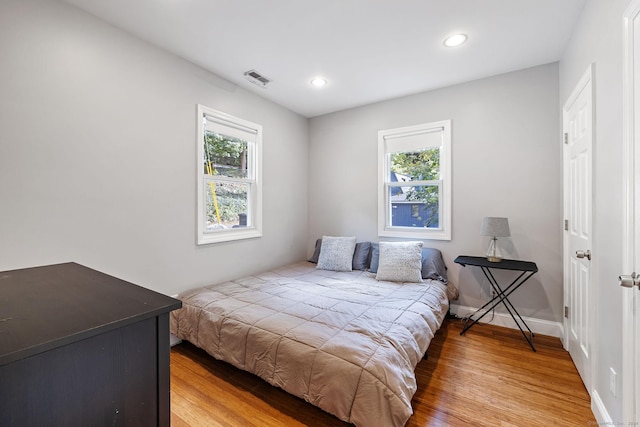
{"x":415,"y":233}
{"x":228,"y":236}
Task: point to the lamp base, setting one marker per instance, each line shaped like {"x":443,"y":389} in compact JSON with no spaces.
{"x":493,"y":252}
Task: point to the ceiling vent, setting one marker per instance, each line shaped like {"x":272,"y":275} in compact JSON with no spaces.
{"x":254,"y":77}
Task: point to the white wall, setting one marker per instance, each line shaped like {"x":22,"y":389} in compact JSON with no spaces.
{"x":598,"y":40}
{"x":97,"y":158}
{"x":506,"y":162}
{"x":97,"y":155}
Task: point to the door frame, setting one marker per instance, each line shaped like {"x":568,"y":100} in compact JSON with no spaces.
{"x":631,"y":161}
{"x":586,"y":79}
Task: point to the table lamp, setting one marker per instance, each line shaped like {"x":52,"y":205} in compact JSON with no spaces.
{"x":494,"y":227}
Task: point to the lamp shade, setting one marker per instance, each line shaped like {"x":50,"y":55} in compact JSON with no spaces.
{"x":495,"y":227}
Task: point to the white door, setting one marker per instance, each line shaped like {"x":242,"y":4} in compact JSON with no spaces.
{"x":578,"y":130}
{"x":631,"y":216}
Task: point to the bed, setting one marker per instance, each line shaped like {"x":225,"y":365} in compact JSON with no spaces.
{"x":343,"y":339}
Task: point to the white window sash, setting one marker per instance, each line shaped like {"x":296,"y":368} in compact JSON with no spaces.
{"x":250,"y":201}
{"x":412,"y":139}
{"x":389,"y":203}
{"x":220,"y":178}
{"x":249,"y":137}
{"x":414,"y":183}
{"x":225,"y":124}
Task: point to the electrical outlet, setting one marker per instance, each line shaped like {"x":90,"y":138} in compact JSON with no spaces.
{"x":613,"y":382}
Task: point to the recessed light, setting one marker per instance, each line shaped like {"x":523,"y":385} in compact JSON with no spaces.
{"x":455,"y":40}
{"x":318,"y":82}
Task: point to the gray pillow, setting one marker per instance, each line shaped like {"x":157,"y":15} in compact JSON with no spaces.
{"x":336,"y":253}
{"x":400,"y":262}
{"x":361,"y":256}
{"x":375,"y":257}
{"x":316,"y":252}
{"x":433,"y":266}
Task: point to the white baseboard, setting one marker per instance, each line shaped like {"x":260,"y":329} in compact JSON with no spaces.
{"x":538,"y":326}
{"x":599,"y":411}
{"x":174,"y":340}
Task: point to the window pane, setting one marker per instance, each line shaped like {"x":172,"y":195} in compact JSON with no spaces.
{"x":414,"y":177}
{"x":225,"y":155}
{"x":227,"y":205}
{"x":421,"y":165}
{"x":415,"y":206}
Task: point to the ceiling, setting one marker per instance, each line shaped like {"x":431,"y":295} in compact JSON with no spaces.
{"x":368,"y":50}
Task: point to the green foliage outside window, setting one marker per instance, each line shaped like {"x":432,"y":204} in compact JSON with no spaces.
{"x":228,"y":156}
{"x":423,"y":165}
{"x":225,"y":156}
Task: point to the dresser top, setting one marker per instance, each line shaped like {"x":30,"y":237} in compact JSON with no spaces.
{"x":42,"y":308}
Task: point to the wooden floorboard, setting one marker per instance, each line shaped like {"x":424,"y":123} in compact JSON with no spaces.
{"x":487,"y":377}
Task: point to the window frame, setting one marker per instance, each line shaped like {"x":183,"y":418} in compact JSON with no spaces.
{"x":385,"y":229}
{"x":253,"y":179}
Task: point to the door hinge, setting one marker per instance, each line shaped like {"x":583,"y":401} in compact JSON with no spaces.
{"x":566,"y":311}
{"x":566,"y":225}
{"x":566,"y":138}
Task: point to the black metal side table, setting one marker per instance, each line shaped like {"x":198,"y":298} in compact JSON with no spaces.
{"x":526,"y":269}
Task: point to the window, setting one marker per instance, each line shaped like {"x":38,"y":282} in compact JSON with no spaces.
{"x":414,"y":180}
{"x":229,"y":177}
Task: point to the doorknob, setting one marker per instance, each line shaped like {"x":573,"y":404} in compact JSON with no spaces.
{"x":629,"y":281}
{"x":584,"y":254}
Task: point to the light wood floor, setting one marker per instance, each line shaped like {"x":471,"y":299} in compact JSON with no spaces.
{"x":488,"y":377}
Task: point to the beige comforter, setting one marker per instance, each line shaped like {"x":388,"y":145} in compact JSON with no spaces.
{"x":341,"y":341}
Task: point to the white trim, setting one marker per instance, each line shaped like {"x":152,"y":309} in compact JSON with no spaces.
{"x":630,"y":154}
{"x":600,"y":411}
{"x":173,"y":340}
{"x":538,"y":326}
{"x":203,"y":236}
{"x":446,"y":193}
{"x":584,"y":81}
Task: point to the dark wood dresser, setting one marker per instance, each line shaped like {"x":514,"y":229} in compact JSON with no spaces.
{"x":82,"y":348}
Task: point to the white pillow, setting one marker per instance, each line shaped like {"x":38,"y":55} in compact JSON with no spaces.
{"x":400,"y":262}
{"x":336,"y":253}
